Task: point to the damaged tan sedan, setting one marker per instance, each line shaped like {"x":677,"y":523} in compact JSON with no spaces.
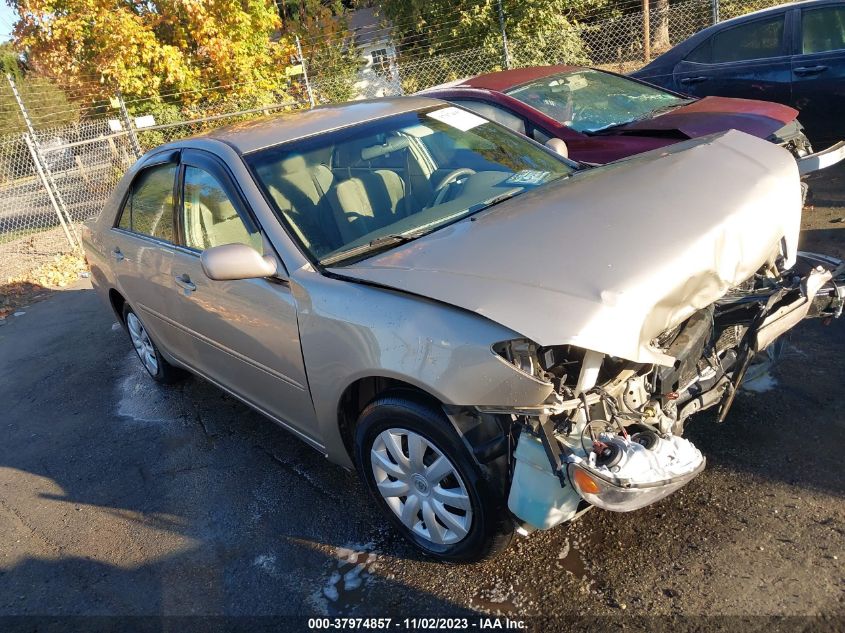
{"x":497,"y":338}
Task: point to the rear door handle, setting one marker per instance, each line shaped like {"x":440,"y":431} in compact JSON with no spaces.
{"x":693,"y":80}
{"x":184,"y":282}
{"x":809,"y":70}
{"x":118,"y":254}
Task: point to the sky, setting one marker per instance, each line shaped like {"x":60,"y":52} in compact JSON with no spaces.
{"x":7,"y":18}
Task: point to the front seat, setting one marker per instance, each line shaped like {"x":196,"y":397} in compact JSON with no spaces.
{"x":370,"y":198}
{"x":299,"y":190}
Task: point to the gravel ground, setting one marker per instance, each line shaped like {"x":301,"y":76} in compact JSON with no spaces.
{"x":119,"y":497}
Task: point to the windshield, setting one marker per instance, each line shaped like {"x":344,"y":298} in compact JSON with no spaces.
{"x":348,"y":193}
{"x":590,"y":100}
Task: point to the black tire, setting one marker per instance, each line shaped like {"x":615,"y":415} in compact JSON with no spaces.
{"x":164,"y":372}
{"x":491,"y":527}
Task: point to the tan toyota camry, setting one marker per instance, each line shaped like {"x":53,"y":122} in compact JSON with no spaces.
{"x":495,"y":337}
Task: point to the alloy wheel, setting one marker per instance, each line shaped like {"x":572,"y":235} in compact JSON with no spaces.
{"x":142,"y":343}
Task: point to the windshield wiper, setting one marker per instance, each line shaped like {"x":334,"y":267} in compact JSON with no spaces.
{"x":392,"y":239}
{"x":497,"y":199}
{"x":377,"y":244}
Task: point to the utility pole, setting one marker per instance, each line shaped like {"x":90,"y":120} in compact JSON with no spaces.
{"x":505,"y":49}
{"x":127,"y":121}
{"x":43,"y":169}
{"x":304,"y":72}
{"x":646,"y":32}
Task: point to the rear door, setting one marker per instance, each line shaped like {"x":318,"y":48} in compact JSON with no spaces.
{"x":750,"y":60}
{"x":141,"y":248}
{"x":818,"y":73}
{"x":241,"y":334}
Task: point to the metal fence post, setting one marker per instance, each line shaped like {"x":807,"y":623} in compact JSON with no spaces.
{"x":715,"y":7}
{"x":43,"y":169}
{"x":30,"y":144}
{"x":127,"y":121}
{"x":646,"y":32}
{"x":304,"y":72}
{"x":505,"y":50}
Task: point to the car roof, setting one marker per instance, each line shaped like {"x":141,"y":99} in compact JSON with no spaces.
{"x":778,"y":8}
{"x":748,"y":17}
{"x":507,"y":79}
{"x":255,"y":134}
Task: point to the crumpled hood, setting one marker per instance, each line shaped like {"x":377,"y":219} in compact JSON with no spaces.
{"x":610,"y":258}
{"x":711,"y":115}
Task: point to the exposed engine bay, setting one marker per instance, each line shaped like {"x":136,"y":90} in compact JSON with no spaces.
{"x":611,"y":434}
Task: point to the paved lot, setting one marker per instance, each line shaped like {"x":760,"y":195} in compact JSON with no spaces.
{"x":121,"y":497}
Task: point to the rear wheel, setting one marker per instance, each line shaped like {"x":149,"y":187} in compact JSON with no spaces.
{"x":158,"y":368}
{"x":427,"y":482}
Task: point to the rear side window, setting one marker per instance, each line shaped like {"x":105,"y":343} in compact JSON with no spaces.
{"x":758,"y":40}
{"x":149,"y":208}
{"x":823,"y":29}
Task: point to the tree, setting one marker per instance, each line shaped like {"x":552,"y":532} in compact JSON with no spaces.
{"x":328,"y":45}
{"x":33,"y":89}
{"x":659,"y":11}
{"x":538,"y":31}
{"x":149,"y":47}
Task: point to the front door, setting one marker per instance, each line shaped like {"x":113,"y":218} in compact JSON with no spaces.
{"x":242,"y":334}
{"x":818,"y":74}
{"x":749,"y":61}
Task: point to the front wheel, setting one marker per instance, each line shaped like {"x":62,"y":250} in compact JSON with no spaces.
{"x":427,"y":482}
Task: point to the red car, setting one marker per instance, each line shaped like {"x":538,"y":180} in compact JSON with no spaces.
{"x":602,"y":116}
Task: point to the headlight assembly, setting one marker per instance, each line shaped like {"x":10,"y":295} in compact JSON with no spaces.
{"x":522,"y":354}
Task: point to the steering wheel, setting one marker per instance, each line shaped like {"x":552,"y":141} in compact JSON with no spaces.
{"x":452,"y":176}
{"x":442,"y":187}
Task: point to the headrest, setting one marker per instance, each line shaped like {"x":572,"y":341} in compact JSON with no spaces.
{"x":293,"y":164}
{"x":392,"y":144}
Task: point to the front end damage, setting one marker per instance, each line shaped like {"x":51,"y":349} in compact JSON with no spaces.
{"x":610,"y":435}
{"x":637,"y":300}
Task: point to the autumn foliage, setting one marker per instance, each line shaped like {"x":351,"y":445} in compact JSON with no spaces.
{"x":143,"y":48}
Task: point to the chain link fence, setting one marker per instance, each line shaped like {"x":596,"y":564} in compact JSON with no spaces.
{"x":54,"y":178}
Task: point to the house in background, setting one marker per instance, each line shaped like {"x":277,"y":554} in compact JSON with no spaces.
{"x":379,"y":77}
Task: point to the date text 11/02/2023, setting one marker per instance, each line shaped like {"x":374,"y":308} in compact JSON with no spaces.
{"x":413,"y":624}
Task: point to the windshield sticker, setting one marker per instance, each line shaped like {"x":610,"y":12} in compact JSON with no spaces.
{"x":457,"y":118}
{"x":528,"y":177}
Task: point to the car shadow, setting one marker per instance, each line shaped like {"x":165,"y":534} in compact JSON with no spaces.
{"x":120,"y":496}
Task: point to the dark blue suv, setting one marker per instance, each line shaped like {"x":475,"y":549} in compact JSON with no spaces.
{"x":792,"y":54}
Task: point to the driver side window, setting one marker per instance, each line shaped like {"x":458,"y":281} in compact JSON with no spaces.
{"x":209,"y":216}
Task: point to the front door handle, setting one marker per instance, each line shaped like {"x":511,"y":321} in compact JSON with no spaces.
{"x":810,"y":70}
{"x":693,"y":80}
{"x":184,"y":282}
{"x":118,"y":254}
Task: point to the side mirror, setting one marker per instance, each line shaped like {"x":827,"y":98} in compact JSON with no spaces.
{"x":236,"y":261}
{"x":558,"y":147}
